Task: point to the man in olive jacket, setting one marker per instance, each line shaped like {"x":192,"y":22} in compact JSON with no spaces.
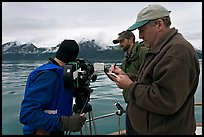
{"x":161,"y":98}
{"x":134,"y":54}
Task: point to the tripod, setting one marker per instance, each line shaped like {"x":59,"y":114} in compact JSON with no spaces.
{"x":90,"y":120}
{"x":83,"y":106}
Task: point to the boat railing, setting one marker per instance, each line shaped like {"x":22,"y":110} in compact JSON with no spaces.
{"x":198,"y":104}
{"x":119,"y":113}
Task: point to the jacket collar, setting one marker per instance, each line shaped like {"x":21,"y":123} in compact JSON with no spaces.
{"x":160,"y":44}
{"x":53,"y":61}
{"x":133,"y":55}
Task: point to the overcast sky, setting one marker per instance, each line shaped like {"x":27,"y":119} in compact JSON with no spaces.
{"x":46,"y":24}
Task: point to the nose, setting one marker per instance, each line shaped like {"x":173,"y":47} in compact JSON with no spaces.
{"x":140,"y":36}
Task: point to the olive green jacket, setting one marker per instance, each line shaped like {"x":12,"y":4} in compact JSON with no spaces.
{"x":131,"y":64}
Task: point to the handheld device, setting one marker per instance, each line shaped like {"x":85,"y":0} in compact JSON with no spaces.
{"x":113,"y":74}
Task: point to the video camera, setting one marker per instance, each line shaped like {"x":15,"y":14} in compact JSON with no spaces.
{"x":78,"y":75}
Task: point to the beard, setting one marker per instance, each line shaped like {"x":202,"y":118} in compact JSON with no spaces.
{"x":125,"y":48}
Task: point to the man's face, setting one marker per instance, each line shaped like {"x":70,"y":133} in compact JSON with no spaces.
{"x":124,"y":44}
{"x":149,"y":34}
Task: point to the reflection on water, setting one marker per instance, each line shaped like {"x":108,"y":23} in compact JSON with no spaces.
{"x":105,"y":94}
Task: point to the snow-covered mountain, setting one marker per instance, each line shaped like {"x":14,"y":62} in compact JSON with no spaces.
{"x":29,"y":48}
{"x":88,"y":49}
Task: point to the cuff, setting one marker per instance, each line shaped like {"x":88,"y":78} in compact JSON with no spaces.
{"x":131,"y":90}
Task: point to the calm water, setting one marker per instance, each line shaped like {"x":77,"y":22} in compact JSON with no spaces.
{"x":105,"y":94}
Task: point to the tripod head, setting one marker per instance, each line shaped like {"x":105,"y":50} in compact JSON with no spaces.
{"x":82,"y":98}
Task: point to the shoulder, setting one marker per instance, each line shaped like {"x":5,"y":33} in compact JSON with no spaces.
{"x":142,"y":47}
{"x":140,"y":44}
{"x":44,"y":71}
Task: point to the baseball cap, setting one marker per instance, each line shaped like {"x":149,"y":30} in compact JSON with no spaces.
{"x":123,"y":35}
{"x":151,"y":12}
{"x":68,"y":51}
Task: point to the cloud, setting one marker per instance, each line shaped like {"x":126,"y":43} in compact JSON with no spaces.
{"x":48,"y":23}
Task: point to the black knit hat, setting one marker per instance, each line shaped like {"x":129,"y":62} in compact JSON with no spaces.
{"x":68,"y":51}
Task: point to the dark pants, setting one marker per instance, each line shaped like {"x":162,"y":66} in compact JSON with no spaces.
{"x":129,"y":128}
{"x":57,"y":133}
{"x":46,"y":133}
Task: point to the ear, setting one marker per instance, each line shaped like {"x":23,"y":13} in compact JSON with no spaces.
{"x":160,"y":24}
{"x":131,"y":38}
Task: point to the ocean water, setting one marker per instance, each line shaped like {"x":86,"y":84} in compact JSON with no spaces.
{"x":105,"y":94}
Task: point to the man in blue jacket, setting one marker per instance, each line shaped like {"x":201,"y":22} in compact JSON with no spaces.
{"x":47,"y":105}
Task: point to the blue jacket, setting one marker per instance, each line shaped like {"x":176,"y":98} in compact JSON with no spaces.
{"x":45,"y":100}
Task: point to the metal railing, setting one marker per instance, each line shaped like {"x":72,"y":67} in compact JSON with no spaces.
{"x":198,"y":104}
{"x":120,"y":111}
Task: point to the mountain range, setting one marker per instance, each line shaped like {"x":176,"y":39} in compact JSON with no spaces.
{"x":88,"y":49}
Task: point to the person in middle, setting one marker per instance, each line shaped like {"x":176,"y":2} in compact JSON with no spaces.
{"x":134,"y":54}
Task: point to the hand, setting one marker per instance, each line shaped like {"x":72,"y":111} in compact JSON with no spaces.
{"x":123,"y":81}
{"x":106,"y":71}
{"x":41,"y":132}
{"x":73,"y":123}
{"x":116,"y":70}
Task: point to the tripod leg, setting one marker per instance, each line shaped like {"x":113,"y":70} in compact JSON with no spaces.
{"x":86,"y":128}
{"x":90,"y":127}
{"x":81,"y":132}
{"x":93,"y":121}
{"x":118,"y":125}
